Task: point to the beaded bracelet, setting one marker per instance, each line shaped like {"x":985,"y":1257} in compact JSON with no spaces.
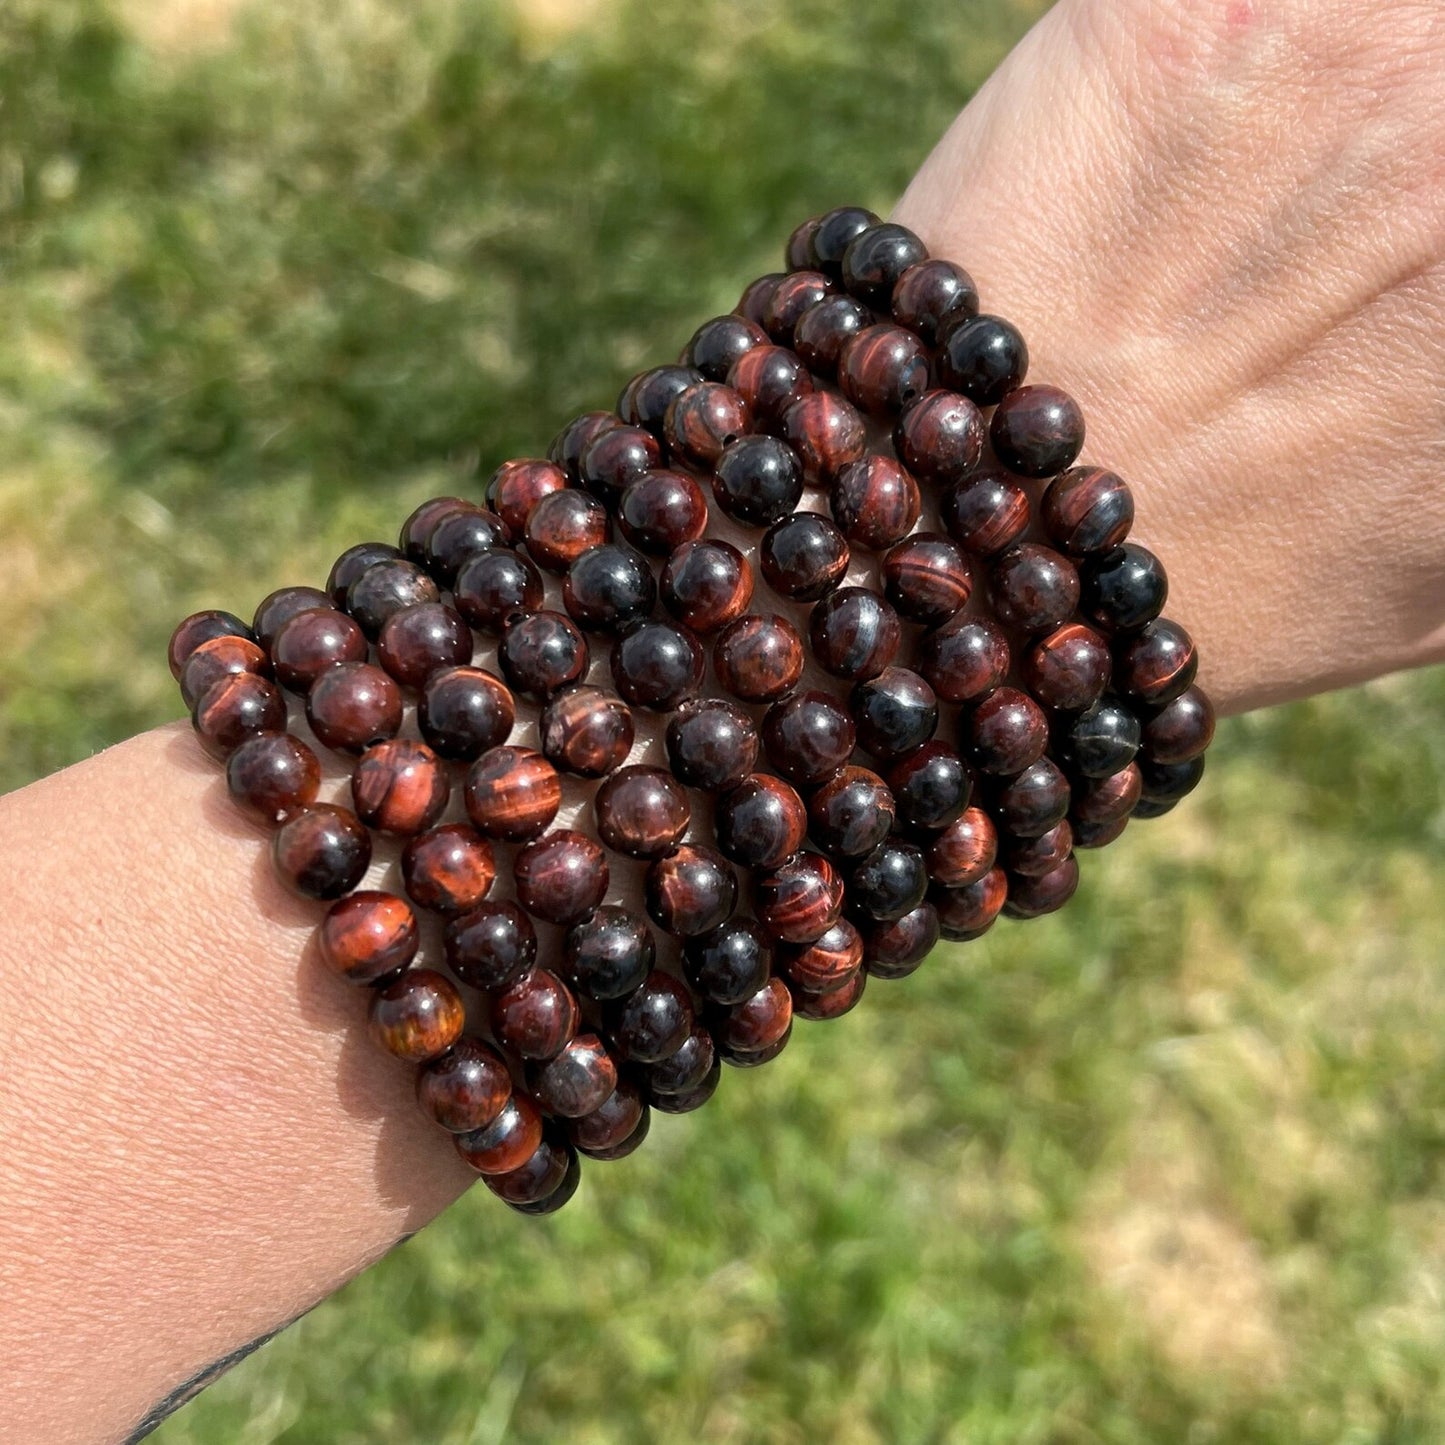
{"x":1069,"y":699}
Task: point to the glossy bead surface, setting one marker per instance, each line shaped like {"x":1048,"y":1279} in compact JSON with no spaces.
{"x":272,"y":776}
{"x":662,"y":511}
{"x":448,"y":869}
{"x":579,"y":1079}
{"x":691,"y":891}
{"x":753,"y":303}
{"x":828,"y":962}
{"x":353,"y":705}
{"x":608,"y":588}
{"x":1033,"y":588}
{"x":758,"y":480}
{"x":1179,"y":732}
{"x":855,"y":633}
{"x":535,"y":1017}
{"x":1068,"y":668}
{"x":1032,"y":896}
{"x":1168,"y":782}
{"x":964,"y":851}
{"x":1037,"y":431}
{"x":834,"y":232}
{"x":888,"y":882}
{"x":512,"y":794}
{"x":418,"y":525}
{"x":758,"y":658}
{"x":646,"y":397}
{"x":201,"y":627}
{"x":883,"y":369}
{"x":931,"y":787}
{"x":986,"y":513}
{"x":561,"y":877}
{"x":798,"y":253}
{"x":417,"y":1016}
{"x":542,"y":652}
{"x":964,"y":659}
{"x":769,"y":379}
{"x":827,"y":433}
{"x":239,"y":706}
{"x":760,"y":822}
{"x":399,"y":786}
{"x":457,"y":538}
{"x":515,"y":488}
{"x":755,"y":1058}
{"x":895,"y":948}
{"x":927,"y":578}
{"x":463,"y":711}
{"x":758,"y":1023}
{"x":800,"y":899}
{"x":225,"y":656}
{"x":1156,"y":664}
{"x":729,"y":964}
{"x":822,"y":332}
{"x":616,"y":459}
{"x":417,"y":641}
{"x":687,"y":1078}
{"x":1103,"y":739}
{"x":1098,"y":835}
{"x":875,"y":260}
{"x":851,"y":813}
{"x":1087,"y":510}
{"x":1034,"y":801}
{"x":830,"y":1005}
{"x":706,"y":585}
{"x":940,"y":438}
{"x":465,"y":1088}
{"x":494,"y":586}
{"x":492,"y":945}
{"x":805,"y":557}
{"x":984,"y":357}
{"x":895,"y":712}
{"x":586,"y":730}
{"x":544,"y":1181}
{"x":792,"y":298}
{"x":875,"y":502}
{"x":964,"y":913}
{"x":508,"y":1142}
{"x":368,"y":935}
{"x":653,"y":1021}
{"x":712,"y":744}
{"x":280,"y":606}
{"x":567,"y":446}
{"x":718,"y":345}
{"x":608,"y":955}
{"x":1123,"y":589}
{"x":641,"y":812}
{"x":931,"y":295}
{"x":616,"y":1127}
{"x":563,"y":525}
{"x":704,"y":420}
{"x":808,"y":737}
{"x":1109,"y":799}
{"x":657,"y":665}
{"x":1006,"y":732}
{"x":352,"y":563}
{"x":1036,"y":856}
{"x":386,"y":587}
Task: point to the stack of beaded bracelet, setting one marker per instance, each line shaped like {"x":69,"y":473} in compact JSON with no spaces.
{"x":1069,"y":700}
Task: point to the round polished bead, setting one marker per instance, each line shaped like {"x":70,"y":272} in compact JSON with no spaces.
{"x":577,"y":1080}
{"x":657,"y":665}
{"x":984,"y":357}
{"x":1179,"y":732}
{"x":851,"y":813}
{"x":896,"y":947}
{"x":759,"y":1023}
{"x":759,"y":658}
{"x":386,"y":587}
{"x":608,"y":955}
{"x":800,"y":899}
{"x":691,"y":892}
{"x":940,"y":438}
{"x":508,"y":1142}
{"x":927,"y":578}
{"x":515,"y":488}
{"x":646,"y":398}
{"x":1006,"y":732}
{"x":536,"y":1017}
{"x":417,"y":1016}
{"x":706,"y":585}
{"x":717,"y":345}
{"x":964,"y":913}
{"x":931,"y":787}
{"x":965,"y":659}
{"x":272,"y":776}
{"x":653,"y":1021}
{"x":834,"y":231}
{"x":828,"y":962}
{"x":586,"y":730}
{"x":855,"y":633}
{"x":351,"y":564}
{"x":827,"y":433}
{"x":875,"y":502}
{"x":563,"y":525}
{"x":753,"y":303}
{"x":985,"y":514}
{"x":561,"y":877}
{"x":543,"y":652}
{"x":1087,"y":510}
{"x":1037,"y":431}
{"x":822,"y":332}
{"x":931,"y":295}
{"x":687,"y":1078}
{"x":758,"y":480}
{"x":1103,"y":739}
{"x":661,"y":511}
{"x":545,"y":1181}
{"x":895,"y":712}
{"x":512,"y":794}
{"x":367,"y":936}
{"x":236,"y":707}
{"x":1033,"y":896}
{"x":492,"y":945}
{"x":457,"y":538}
{"x":219,"y":657}
{"x":755,"y":1058}
{"x":1163,"y":783}
{"x":888,"y":882}
{"x":448,"y":869}
{"x":1098,"y":835}
{"x":616,"y":459}
{"x":1069,"y":668}
{"x":704,"y":420}
{"x":616,"y":1127}
{"x":465,"y":1088}
{"x":1110,"y":799}
{"x":769,"y":379}
{"x":279,"y":607}
{"x":493,"y":587}
{"x":875,"y":260}
{"x":830,"y":1005}
{"x":729,"y":964}
{"x":1156,"y":664}
{"x":417,"y":641}
{"x":798,"y":253}
{"x":1033,"y":588}
{"x":964,"y":851}
{"x":568,"y":445}
{"x":1034,"y":801}
{"x":417,"y":527}
{"x":792,"y":298}
{"x":808,"y":737}
{"x":712,"y":744}
{"x":201,"y":627}
{"x":608,"y":588}
{"x":760,"y":822}
{"x":1034,"y":857}
{"x":399,"y":786}
{"x":463,"y":711}
{"x":353,"y":705}
{"x":641,"y":812}
{"x":805,"y":557}
{"x":883,"y":369}
{"x":1124,"y":588}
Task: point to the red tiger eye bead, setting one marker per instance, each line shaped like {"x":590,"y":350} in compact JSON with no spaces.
{"x":273,"y":775}
{"x":512,"y":794}
{"x":761,"y":822}
{"x":769,"y":379}
{"x":827,"y":433}
{"x":238,"y":706}
{"x":492,"y":945}
{"x":703,"y":420}
{"x":691,"y":891}
{"x":1037,"y":431}
{"x":825,"y":329}
{"x":1178,"y":733}
{"x":545,"y":1182}
{"x":418,"y":641}
{"x":1033,"y":588}
{"x":1156,"y":664}
{"x":463,"y":711}
{"x":831,"y":1005}
{"x":567,"y":446}
{"x":386,"y":587}
{"x":1069,"y":668}
{"x":927,"y":577}
{"x":718,"y":345}
{"x":805,"y":557}
{"x":563,"y":525}
{"x":1164,"y":784}
{"x":661,"y":511}
{"x":753,"y":303}
{"x":712,"y":744}
{"x":220,"y":657}
{"x":507,"y":1142}
{"x":465,"y":1088}
{"x":876,"y":259}
{"x":577,"y":1080}
{"x":353,"y":705}
{"x":808,"y":737}
{"x":417,"y":1016}
{"x":758,"y":658}
{"x":758,"y":1023}
{"x":986,"y":513}
{"x":561,"y":877}
{"x":854,"y":632}
{"x":706,"y":585}
{"x":895,"y":949}
{"x":1032,"y":896}
{"x":543,"y":652}
{"x":852,"y":813}
{"x":1034,"y":857}
{"x":646,"y":397}
{"x":931,"y":786}
{"x":418,"y":526}
{"x":614,"y":460}
{"x":536,"y":1017}
{"x":964,"y":913}
{"x":456,"y":539}
{"x":875,"y":502}
{"x":642,"y":812}
{"x":800,"y":899}
{"x":310,"y":642}
{"x":1098,"y":835}
{"x":279,"y":607}
{"x":965,"y":659}
{"x":657,"y":665}
{"x":792,"y":298}
{"x":940,"y":438}
{"x":368,"y":936}
{"x":653,"y":1021}
{"x":352,"y":563}
{"x":884,"y":369}
{"x":493,"y":587}
{"x":586,"y":731}
{"x":931,"y":294}
{"x":399,"y":786}
{"x":964,"y":851}
{"x":448,"y":869}
{"x":1087,"y":510}
{"x":515,"y":488}
{"x":202,"y":627}
{"x":828,"y":962}
{"x":1028,"y":805}
{"x":755,"y":1058}
{"x":616,"y":1127}
{"x":1006,"y":732}
{"x":1108,"y":799}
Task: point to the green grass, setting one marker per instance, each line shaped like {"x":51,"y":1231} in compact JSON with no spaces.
{"x":1162,"y":1169}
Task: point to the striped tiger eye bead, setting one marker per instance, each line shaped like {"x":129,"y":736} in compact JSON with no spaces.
{"x":493,"y":587}
{"x":512,"y":794}
{"x":851,"y":813}
{"x":854,"y":632}
{"x":761,"y":822}
{"x":965,"y":659}
{"x":830,"y":1005}
{"x":465,"y":1088}
{"x":1087,"y":510}
{"x":703,"y":421}
{"x":492,"y":945}
{"x":927,"y":578}
{"x":508,"y":1142}
{"x":418,"y":641}
{"x":463,"y":711}
{"x":352,"y":706}
{"x":884,"y":369}
{"x":940,"y":438}
{"x":718,"y":345}
{"x":641,"y":812}
{"x":1006,"y":732}
{"x":828,"y":962}
{"x":368,"y":936}
{"x":986,"y":513}
{"x":236,"y":707}
{"x":1156,"y":664}
{"x":577,"y":1080}
{"x":417,"y":1016}
{"x":1069,"y":668}
{"x":805,"y":557}
{"x":201,"y":627}
{"x":1179,"y":732}
{"x":808,"y":737}
{"x":758,"y":658}
{"x":965,"y":850}
{"x":800,"y":899}
{"x":399,"y":787}
{"x":760,"y":1023}
{"x":712,"y":744}
{"x":691,"y":891}
{"x":515,"y":488}
{"x":448,"y":869}
{"x":875,"y":502}
{"x":561,"y":877}
{"x":562,"y":526}
{"x":1037,"y":431}
{"x":616,"y":1127}
{"x":586,"y":730}
{"x":536,"y":1017}
{"x":219,"y":657}
{"x":1031,"y":896}
{"x":792,"y":298}
{"x":662,"y":511}
{"x":827,"y":433}
{"x":541,"y":653}
{"x":930,"y":295}
{"x":706,"y":585}
{"x":308,"y":643}
{"x":272,"y":776}
{"x":769,"y":379}
{"x":895,"y":948}
{"x":964,"y":913}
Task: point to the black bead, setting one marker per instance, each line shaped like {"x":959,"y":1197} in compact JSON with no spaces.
{"x":684,"y":1074}
{"x":1033,"y":801}
{"x":542,"y":652}
{"x":492,"y":587}
{"x":808,"y":736}
{"x":851,"y":814}
{"x":718,"y":343}
{"x":1104,"y":739}
{"x":834,"y":232}
{"x":615,"y":459}
{"x":460,"y":536}
{"x":1124,"y":589}
{"x":888,"y":882}
{"x":896,"y":711}
{"x":758,"y":480}
{"x":351,"y":564}
{"x":729,"y":964}
{"x":386,"y":587}
{"x":823,"y":332}
{"x":657,"y":665}
{"x":931,"y":787}
{"x":653,"y":1021}
{"x":712,"y":744}
{"x":1168,"y":782}
{"x":646,"y":398}
{"x":984,"y":357}
{"x":876,"y":258}
{"x":608,"y":955}
{"x":805,"y":557}
{"x":608,"y":587}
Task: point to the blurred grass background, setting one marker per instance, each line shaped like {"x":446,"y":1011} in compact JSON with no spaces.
{"x":1165,"y":1168}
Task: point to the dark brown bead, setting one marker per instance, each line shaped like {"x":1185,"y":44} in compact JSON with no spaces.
{"x":718,"y":345}
{"x":508,"y":1142}
{"x":545,"y":1181}
{"x":855,"y":633}
{"x":641,"y":812}
{"x":1006,"y":732}
{"x":368,"y":935}
{"x":463,"y":711}
{"x":1028,"y":805}
{"x":1123,"y":588}
{"x":753,"y":303}
{"x":1098,"y":835}
{"x":563,"y":525}
{"x":758,"y":1023}
{"x":835,"y":232}
{"x":758,"y":480}
{"x":448,"y":869}
{"x":577,"y":1080}
{"x":1032,"y":897}
{"x":465,"y":1088}
{"x":876,"y":259}
{"x":279,"y":607}
{"x":457,"y":538}
{"x":827,"y":433}
{"x":828,"y":962}
{"x":417,"y":1016}
{"x":542,"y":652}
{"x":755,"y":1058}
{"x":888,"y":882}
{"x":516,"y":487}
{"x":940,"y":438}
{"x":706,"y":585}
{"x":798,"y":253}
{"x":769,"y":379}
{"x":308,"y":643}
{"x":653,"y":1021}
{"x":964,"y":851}
{"x":386,"y":587}
{"x":1166,"y":783}
{"x":1103,"y":739}
{"x":353,"y":705}
{"x":494,"y":586}
{"x":418,"y":641}
{"x":875,"y":502}
{"x":984,"y":357}
{"x":1109,"y":799}
{"x":758,"y":658}
{"x":1087,"y":510}
{"x":805,"y":557}
{"x":931,"y":787}
{"x":729,"y":964}
{"x":823,"y":332}
{"x":831,"y":1005}
{"x":1156,"y":664}
{"x":931,"y":295}
{"x":1033,"y":588}
{"x":616,"y":1127}
{"x":1179,"y":732}
{"x":800,"y":899}
{"x":646,"y":398}
{"x":418,"y":526}
{"x":567,"y":446}
{"x":687,"y":1078}
{"x":986,"y":513}
{"x":512,"y":794}
{"x":792,"y":298}
{"x":657,"y":665}
{"x":1034,"y":857}
{"x":965,"y":659}
{"x":895,"y":712}
{"x":561,"y":877}
{"x":1037,"y":431}
{"x":852,"y":813}
{"x":964,"y":913}
{"x":883,"y":369}
{"x":352,"y":563}
{"x":760,"y":822}
{"x":201,"y":627}
{"x":712,"y":744}
{"x":237,"y":707}
{"x":703,"y":420}
{"x":399,"y":786}
{"x":808,"y":737}
{"x":1069,"y":668}
{"x":662,"y":511}
{"x":608,"y":955}
{"x":691,"y":892}
{"x":492,"y":945}
{"x":608,"y":588}
{"x":927,"y":577}
{"x":225,"y":656}
{"x":617,"y":458}
{"x":536,"y":1017}
{"x":586,"y":730}
{"x":273,"y":775}
{"x":895,"y":948}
